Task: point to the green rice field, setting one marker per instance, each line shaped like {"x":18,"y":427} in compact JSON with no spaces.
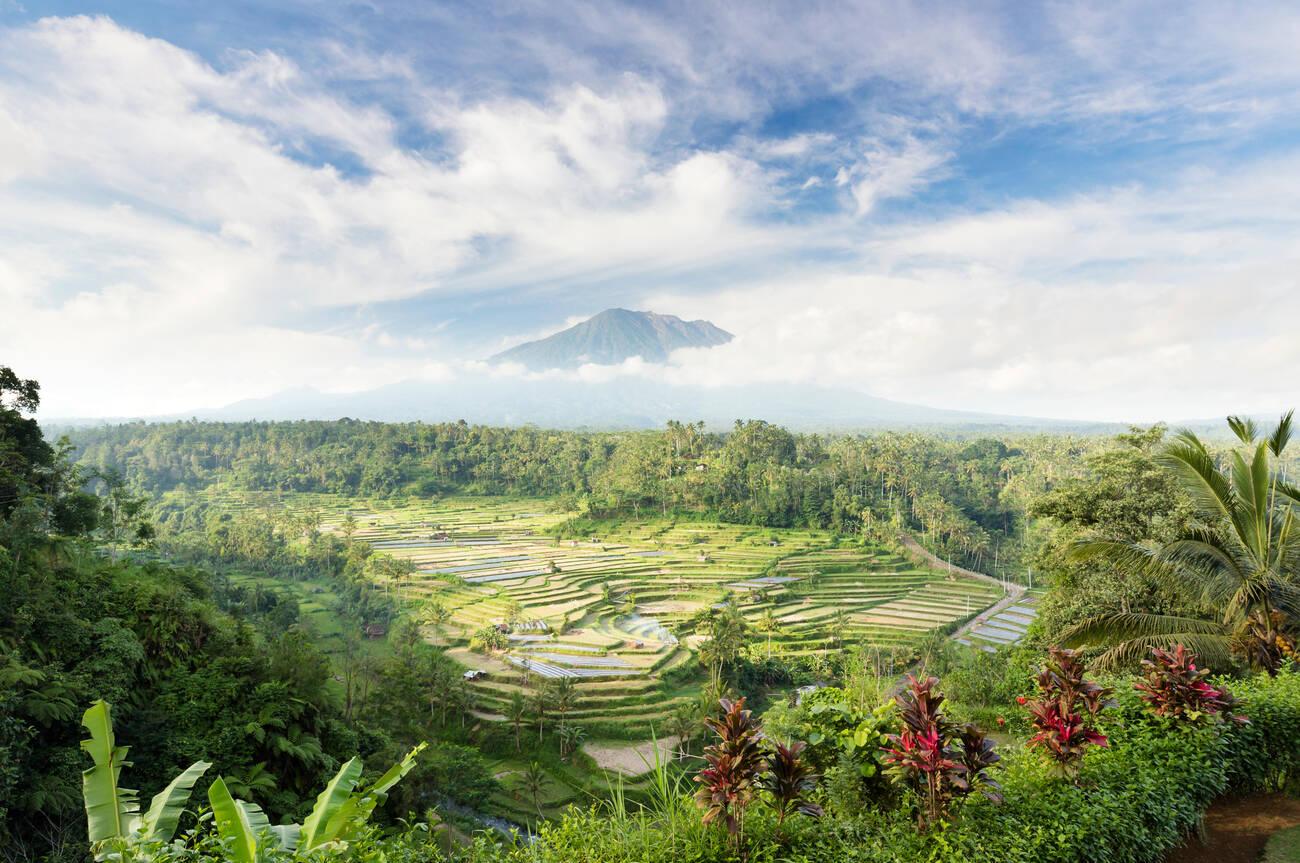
{"x":607,"y":610}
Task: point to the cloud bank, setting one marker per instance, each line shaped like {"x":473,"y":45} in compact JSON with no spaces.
{"x":866,"y":197}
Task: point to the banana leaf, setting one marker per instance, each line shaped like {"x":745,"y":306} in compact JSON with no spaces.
{"x":110,"y":809}
{"x":165,"y":810}
{"x":354,"y":813}
{"x":236,"y":822}
{"x":321,"y":825}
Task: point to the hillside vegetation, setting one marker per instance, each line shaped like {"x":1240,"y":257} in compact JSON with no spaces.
{"x":697,"y":646}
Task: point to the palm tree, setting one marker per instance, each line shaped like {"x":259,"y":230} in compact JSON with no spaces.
{"x":682,"y":724}
{"x":532,"y":781}
{"x":517,"y":712}
{"x":541,"y":700}
{"x":838,"y":625}
{"x":767,"y":624}
{"x":436,"y":615}
{"x":571,"y":737}
{"x":1240,"y":557}
{"x":564,"y":696}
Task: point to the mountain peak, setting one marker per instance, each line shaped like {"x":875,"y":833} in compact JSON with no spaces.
{"x":612,"y":336}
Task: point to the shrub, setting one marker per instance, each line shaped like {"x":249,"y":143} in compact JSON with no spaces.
{"x":934,"y":757}
{"x":788,"y":781}
{"x":1176,"y":689}
{"x":1264,"y":755}
{"x":729,"y":781}
{"x":843,"y":743}
{"x":1057,"y":714}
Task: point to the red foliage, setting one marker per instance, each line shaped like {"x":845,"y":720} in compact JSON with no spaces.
{"x":1175,"y":688}
{"x":932,"y":756}
{"x":789,"y":780}
{"x":734,"y":764}
{"x":1065,"y":712}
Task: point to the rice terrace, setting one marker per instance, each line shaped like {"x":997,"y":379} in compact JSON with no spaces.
{"x":615,"y":606}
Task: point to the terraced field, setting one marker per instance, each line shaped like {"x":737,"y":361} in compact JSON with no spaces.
{"x":1004,"y":627}
{"x":607,"y":610}
{"x":611,"y":611}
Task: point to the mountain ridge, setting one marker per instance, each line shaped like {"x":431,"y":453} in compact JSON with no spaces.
{"x":629,"y":402}
{"x":613,"y":336}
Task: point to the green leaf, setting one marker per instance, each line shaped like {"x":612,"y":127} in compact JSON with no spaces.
{"x":395,"y":773}
{"x":233,"y":822}
{"x":318,"y":829}
{"x":165,"y":810}
{"x":109,"y":809}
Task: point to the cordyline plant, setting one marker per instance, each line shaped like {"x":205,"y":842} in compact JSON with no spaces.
{"x":1065,"y":712}
{"x":935,"y":758}
{"x":730,"y":780}
{"x":1175,"y":688}
{"x":978,"y":757}
{"x":788,"y":781}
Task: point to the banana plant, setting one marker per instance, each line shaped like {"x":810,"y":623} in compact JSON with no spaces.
{"x":341,"y":811}
{"x":113,"y":818}
{"x":244,"y":825}
{"x":340,"y":814}
{"x":116,"y":827}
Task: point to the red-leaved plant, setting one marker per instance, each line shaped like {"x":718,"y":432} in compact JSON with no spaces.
{"x":1175,"y":688}
{"x":1065,"y":712}
{"x":935,"y":758}
{"x":730,"y":780}
{"x":977,"y":756}
{"x":788,"y":781}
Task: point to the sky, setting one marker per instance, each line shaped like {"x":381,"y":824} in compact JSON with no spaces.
{"x":1075,"y":210}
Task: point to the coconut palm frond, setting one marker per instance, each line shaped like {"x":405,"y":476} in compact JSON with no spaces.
{"x":1261,"y":484}
{"x":1177,"y":574}
{"x":1244,"y":515}
{"x":1193,"y":467}
{"x":1244,"y":429}
{"x":1202,"y":547}
{"x":1285,"y":595}
{"x":1130,"y":555}
{"x":1250,"y":594}
{"x":1125,"y":626}
{"x":1213,"y":649}
{"x":1281,"y":435}
{"x":1288,"y":491}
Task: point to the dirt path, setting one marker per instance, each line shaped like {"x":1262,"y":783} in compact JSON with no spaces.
{"x":1237,"y":829}
{"x":933,"y":560}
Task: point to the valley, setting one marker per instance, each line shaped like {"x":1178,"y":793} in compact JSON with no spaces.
{"x":619,"y":608}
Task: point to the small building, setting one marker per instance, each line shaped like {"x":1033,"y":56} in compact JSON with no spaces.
{"x":375,"y":630}
{"x":474,"y":674}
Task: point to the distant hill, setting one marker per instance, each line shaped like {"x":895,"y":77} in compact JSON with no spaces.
{"x":630,"y":402}
{"x":613,"y":336}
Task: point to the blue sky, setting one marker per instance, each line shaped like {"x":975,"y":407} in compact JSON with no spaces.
{"x":1060,"y":209}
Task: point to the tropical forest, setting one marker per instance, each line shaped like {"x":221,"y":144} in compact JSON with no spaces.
{"x":360,"y":640}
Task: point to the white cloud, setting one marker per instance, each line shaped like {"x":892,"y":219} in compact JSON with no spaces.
{"x":148,"y":197}
{"x":1134,"y":304}
{"x":891,"y":171}
{"x":174,"y":232}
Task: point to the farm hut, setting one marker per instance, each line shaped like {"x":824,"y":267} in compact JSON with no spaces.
{"x":375,"y":630}
{"x":474,"y":674}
